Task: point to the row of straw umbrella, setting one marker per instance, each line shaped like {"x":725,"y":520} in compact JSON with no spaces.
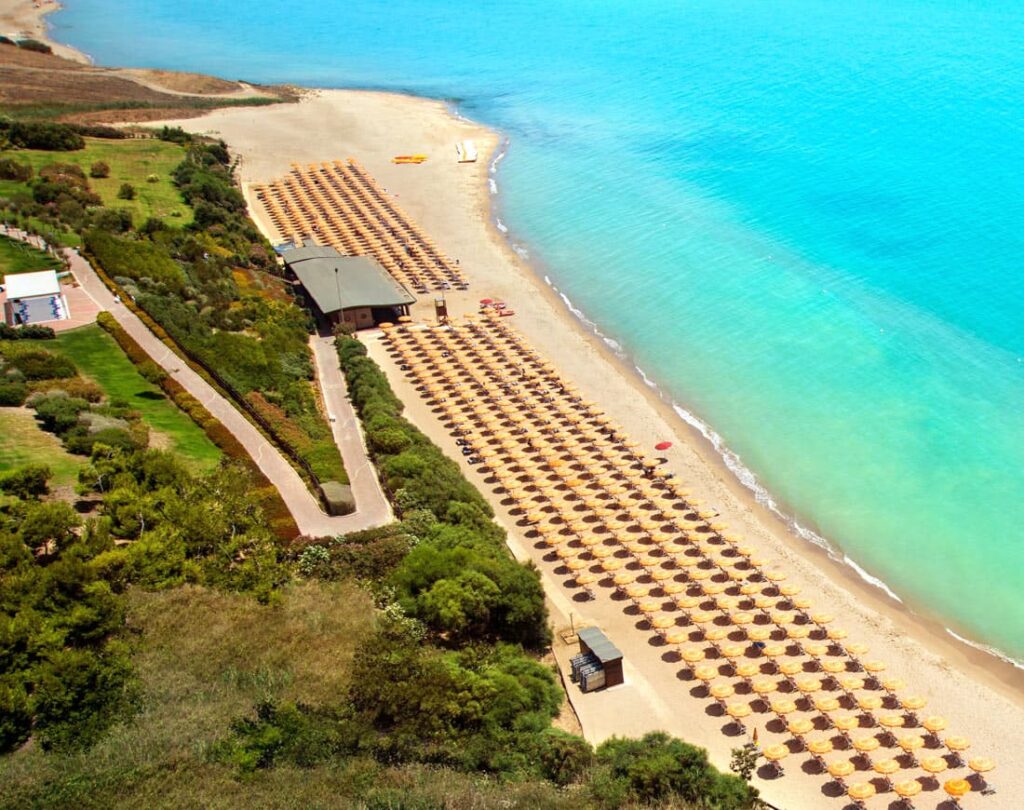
{"x":613,"y":519}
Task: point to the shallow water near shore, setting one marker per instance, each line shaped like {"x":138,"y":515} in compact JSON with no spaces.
{"x":803,"y":222}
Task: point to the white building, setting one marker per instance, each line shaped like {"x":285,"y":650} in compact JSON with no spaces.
{"x":34,"y":298}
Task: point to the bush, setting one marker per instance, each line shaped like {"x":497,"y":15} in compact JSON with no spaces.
{"x":99,"y":169}
{"x":26,"y":482}
{"x":38,"y":364}
{"x":45,"y":136}
{"x":134,"y":259}
{"x":13,"y":394}
{"x":12,"y":169}
{"x":28,"y":332}
{"x":126,"y":192}
{"x":58,"y":413}
{"x":657,"y":769}
{"x":34,"y":45}
{"x":564,"y":758}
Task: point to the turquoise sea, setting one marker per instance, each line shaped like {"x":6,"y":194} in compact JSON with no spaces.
{"x":803,"y":220}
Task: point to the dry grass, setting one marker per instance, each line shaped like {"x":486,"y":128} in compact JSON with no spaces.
{"x":203,"y":658}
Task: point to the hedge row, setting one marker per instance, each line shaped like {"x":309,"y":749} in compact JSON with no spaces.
{"x":274,"y":506}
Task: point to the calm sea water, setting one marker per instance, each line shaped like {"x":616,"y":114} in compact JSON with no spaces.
{"x":804,"y":220}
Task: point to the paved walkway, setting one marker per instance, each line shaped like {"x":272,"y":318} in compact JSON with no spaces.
{"x":372,"y":509}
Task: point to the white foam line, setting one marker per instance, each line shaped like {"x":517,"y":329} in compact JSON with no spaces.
{"x":986,"y":649}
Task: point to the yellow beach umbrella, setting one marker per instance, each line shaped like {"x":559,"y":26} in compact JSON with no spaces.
{"x":662,"y":622}
{"x":781,"y":619}
{"x":869,"y":703}
{"x":933,"y":765}
{"x":856,"y":648}
{"x":861,"y":791}
{"x":935,"y":723}
{"x":907,"y":789}
{"x":742,"y":618}
{"x":764,"y":686}
{"x":747,"y":669}
{"x":576,"y":564}
{"x":841,"y":769}
{"x":845,"y":722}
{"x":833,"y":667}
{"x":749,"y":588}
{"x":798,"y":631}
{"x":808,"y":685}
{"x":673,"y":588}
{"x":819,"y":747}
{"x":981,"y":764}
{"x":913,"y":703}
{"x":886,"y":767}
{"x":837,"y":634}
{"x":624,"y":577}
{"x":692,"y":655}
{"x":790,"y":667}
{"x":738,"y":710}
{"x":701,"y":617}
{"x":759,"y":633}
{"x":732,"y":650}
{"x":893,"y":684}
{"x":874,"y":666}
{"x":957,"y":743}
{"x":910,"y":742}
{"x":892,"y":721}
{"x":637,"y":590}
{"x":774,"y":650}
{"x":611,"y":564}
{"x":852,"y":683}
{"x":957,"y":787}
{"x":721,"y":691}
{"x":677,"y":637}
{"x":705,"y":673}
{"x":650,"y":606}
{"x":586,"y":579}
{"x":826,"y":704}
{"x":775,"y":753}
{"x":816,"y":650}
{"x":775,"y":576}
{"x":687,"y":602}
{"x":715,"y":633}
{"x":800,"y":726}
{"x":789,"y":590}
{"x":783,"y":706}
{"x":866,"y":744}
{"x":822,"y":618}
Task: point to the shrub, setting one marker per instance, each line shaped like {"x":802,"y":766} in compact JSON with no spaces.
{"x":134,"y":259}
{"x":46,"y":136}
{"x":30,"y":331}
{"x":13,"y":394}
{"x":126,"y":192}
{"x":34,"y":45}
{"x":26,"y":482}
{"x":58,"y":413}
{"x":564,"y":758}
{"x":12,"y":169}
{"x":38,"y":364}
{"x":99,"y":169}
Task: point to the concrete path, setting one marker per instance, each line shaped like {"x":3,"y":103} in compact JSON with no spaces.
{"x":372,"y":509}
{"x":362,"y":475}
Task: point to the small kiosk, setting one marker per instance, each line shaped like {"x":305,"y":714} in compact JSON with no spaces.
{"x":599,"y":663}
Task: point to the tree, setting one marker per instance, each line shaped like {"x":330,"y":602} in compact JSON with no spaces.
{"x":26,"y":482}
{"x":126,"y":192}
{"x":49,"y":527}
{"x":99,"y":169}
{"x":744,"y":760}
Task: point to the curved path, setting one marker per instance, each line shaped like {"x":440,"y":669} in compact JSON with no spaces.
{"x":372,"y":508}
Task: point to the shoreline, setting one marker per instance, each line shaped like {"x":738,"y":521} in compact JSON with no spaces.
{"x":28,"y":18}
{"x":974,"y":657}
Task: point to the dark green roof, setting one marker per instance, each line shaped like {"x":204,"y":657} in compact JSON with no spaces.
{"x":338,"y":282}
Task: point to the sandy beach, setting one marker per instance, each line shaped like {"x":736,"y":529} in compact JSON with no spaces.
{"x":980,"y":696}
{"x":26,"y":19}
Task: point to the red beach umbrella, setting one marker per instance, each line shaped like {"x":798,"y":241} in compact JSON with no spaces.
{"x":662,"y":445}
{"x":486,"y":301}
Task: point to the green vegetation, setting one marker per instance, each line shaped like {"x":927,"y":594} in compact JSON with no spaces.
{"x":128,"y":161}
{"x":17,"y":257}
{"x":99,"y":358}
{"x":23,"y":443}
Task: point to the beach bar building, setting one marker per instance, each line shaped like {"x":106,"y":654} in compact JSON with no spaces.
{"x":352,"y":290}
{"x":34,"y":298}
{"x":599,"y":663}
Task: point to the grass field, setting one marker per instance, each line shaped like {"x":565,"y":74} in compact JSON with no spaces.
{"x":23,"y":442}
{"x":130,"y":161}
{"x":101,"y":359}
{"x":17,"y":257}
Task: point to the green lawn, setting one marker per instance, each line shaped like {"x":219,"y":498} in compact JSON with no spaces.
{"x":23,"y":442}
{"x":99,"y":357}
{"x":130,"y":161}
{"x":17,"y":257}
